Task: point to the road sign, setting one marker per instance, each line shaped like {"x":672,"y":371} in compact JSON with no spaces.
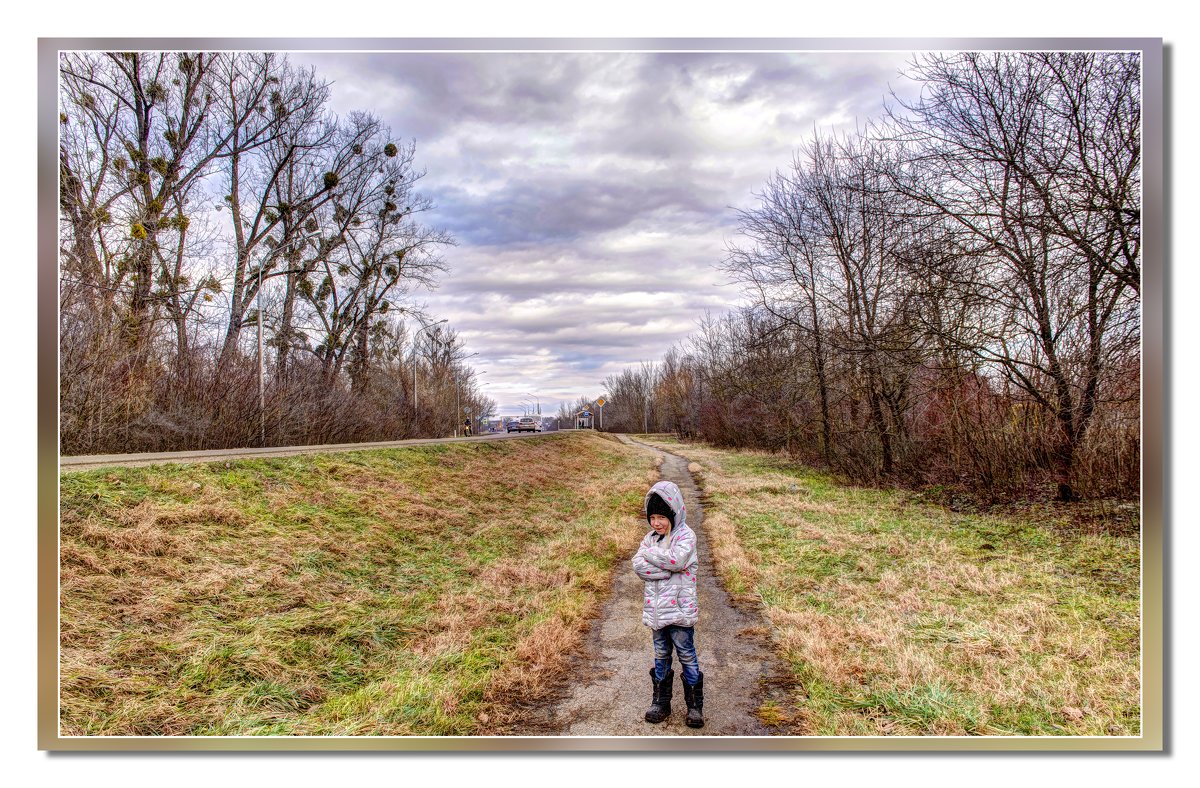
{"x":466,"y":410}
{"x":600,"y":402}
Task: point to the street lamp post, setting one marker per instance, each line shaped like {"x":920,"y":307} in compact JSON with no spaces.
{"x":424,"y":328}
{"x":474,"y":416}
{"x":539,"y":407}
{"x":458,"y":394}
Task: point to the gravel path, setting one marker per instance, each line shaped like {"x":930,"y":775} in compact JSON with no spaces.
{"x":613,"y":687}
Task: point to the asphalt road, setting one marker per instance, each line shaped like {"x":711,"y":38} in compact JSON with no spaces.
{"x":93,"y":461}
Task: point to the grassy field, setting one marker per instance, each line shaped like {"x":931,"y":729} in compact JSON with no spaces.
{"x":426,"y":590}
{"x":899,"y":617}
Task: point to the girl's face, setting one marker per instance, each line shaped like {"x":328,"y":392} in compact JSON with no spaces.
{"x":660,"y":524}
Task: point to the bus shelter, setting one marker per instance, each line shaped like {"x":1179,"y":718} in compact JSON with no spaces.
{"x":583,"y":420}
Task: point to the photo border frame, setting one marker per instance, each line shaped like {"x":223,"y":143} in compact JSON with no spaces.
{"x":1155,"y":406}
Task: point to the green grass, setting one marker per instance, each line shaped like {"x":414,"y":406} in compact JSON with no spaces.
{"x":401,"y":591}
{"x":898,"y":616}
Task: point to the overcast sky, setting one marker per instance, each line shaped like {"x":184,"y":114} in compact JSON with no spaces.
{"x":592,"y":194}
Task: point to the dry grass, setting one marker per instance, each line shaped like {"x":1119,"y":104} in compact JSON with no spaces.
{"x":410,"y":591}
{"x":903,"y":618}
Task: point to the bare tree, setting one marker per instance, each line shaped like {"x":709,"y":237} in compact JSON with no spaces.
{"x":1035,"y":157}
{"x":826,"y":247}
{"x":274,"y":115}
{"x":631,"y":403}
{"x":785,"y":267}
{"x":142,"y":136}
{"x":155,"y":291}
{"x":382,"y":254}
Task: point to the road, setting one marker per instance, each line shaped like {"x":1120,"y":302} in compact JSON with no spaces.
{"x":93,"y":461}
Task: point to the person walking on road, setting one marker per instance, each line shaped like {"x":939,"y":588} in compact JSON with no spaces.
{"x":667,"y":562}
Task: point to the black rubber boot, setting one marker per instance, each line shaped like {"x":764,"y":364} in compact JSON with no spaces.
{"x":693,"y":695}
{"x":660,"y":707}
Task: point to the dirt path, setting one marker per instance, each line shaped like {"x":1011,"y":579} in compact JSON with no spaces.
{"x":611,"y":688}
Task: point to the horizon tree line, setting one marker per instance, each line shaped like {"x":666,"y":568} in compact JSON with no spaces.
{"x":950,"y":295}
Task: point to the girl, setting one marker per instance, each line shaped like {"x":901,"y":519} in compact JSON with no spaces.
{"x":667,"y":561}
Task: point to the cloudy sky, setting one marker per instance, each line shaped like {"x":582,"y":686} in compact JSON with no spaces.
{"x":592,"y":194}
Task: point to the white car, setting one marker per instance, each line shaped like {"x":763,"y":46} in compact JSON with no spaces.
{"x":525,"y":424}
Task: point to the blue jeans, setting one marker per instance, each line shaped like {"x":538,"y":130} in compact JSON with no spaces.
{"x":681,"y":639}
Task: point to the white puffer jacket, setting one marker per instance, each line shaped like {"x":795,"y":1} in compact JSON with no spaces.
{"x":668,"y":564}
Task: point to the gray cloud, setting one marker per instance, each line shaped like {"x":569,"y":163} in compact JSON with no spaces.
{"x":591,"y":193}
{"x":551,"y":207}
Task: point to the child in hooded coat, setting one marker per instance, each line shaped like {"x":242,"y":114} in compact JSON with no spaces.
{"x":667,"y":561}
